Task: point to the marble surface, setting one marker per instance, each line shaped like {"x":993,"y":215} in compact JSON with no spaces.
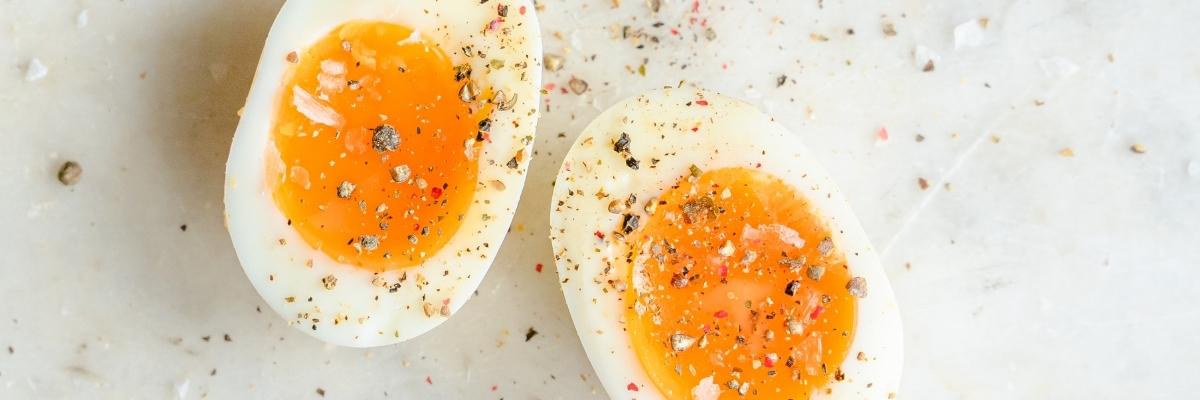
{"x":1021,"y":272}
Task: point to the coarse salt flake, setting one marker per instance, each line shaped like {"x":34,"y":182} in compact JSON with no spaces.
{"x":968,"y":34}
{"x":35,"y":70}
{"x":313,"y":109}
{"x":706,"y":390}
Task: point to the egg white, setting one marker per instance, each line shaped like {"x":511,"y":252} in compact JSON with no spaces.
{"x":362,"y":309}
{"x":676,"y":127}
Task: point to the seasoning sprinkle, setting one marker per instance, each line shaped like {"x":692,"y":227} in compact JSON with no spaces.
{"x":329,"y":282}
{"x":578,"y":86}
{"x":504,"y":103}
{"x":651,"y":205}
{"x":630,"y":224}
{"x":726,"y":249}
{"x":889,"y":29}
{"x":795,"y":327}
{"x":622,"y":144}
{"x":401,"y":173}
{"x":825,"y":247}
{"x":369,"y":242}
{"x":681,"y":342}
{"x":467,"y":92}
{"x":615,"y":207}
{"x":427,"y":309}
{"x":791,"y":288}
{"x":385,"y":139}
{"x":462,"y":71}
{"x":693,"y":209}
{"x":679,"y":281}
{"x":857,"y":287}
{"x":70,"y":173}
{"x":815,"y":272}
{"x":1138,"y":148}
{"x":529,"y":334}
{"x":793,"y":263}
{"x":345,"y":189}
{"x":552,"y":62}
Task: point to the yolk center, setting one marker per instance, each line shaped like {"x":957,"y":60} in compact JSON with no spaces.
{"x":376,"y":147}
{"x":735,"y":278}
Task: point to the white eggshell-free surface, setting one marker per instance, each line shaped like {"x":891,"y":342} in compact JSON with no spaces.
{"x":729,"y":134}
{"x":1020,"y":273}
{"x":363,"y":308}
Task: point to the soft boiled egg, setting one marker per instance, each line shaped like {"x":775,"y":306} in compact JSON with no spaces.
{"x":704,"y":255}
{"x":379,"y":160}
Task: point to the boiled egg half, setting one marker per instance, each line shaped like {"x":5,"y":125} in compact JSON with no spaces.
{"x":704,"y":254}
{"x":379,"y":159}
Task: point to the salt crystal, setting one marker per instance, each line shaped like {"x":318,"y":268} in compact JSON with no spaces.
{"x":313,"y":109}
{"x":82,"y":19}
{"x":1193,"y":169}
{"x":332,"y":76}
{"x":413,"y":38}
{"x":786,"y":234}
{"x":706,"y":390}
{"x":35,"y":70}
{"x":330,"y":83}
{"x":968,"y":34}
{"x":333,"y":67}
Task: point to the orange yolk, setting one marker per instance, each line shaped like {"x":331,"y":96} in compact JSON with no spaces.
{"x":376,"y":146}
{"x":738,"y":281}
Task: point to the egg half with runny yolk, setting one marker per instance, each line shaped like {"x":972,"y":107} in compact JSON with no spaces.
{"x":379,"y":159}
{"x":705,"y":255}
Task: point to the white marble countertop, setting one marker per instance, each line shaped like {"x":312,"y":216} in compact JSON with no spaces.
{"x":1021,"y":272}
